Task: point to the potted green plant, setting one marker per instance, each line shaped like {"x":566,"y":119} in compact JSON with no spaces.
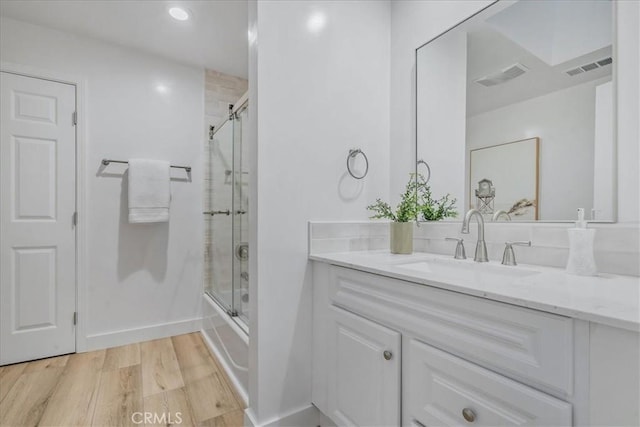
{"x":430,"y":209}
{"x":416,"y":202}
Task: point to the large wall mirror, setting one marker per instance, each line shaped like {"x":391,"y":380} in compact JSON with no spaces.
{"x":515,"y":111}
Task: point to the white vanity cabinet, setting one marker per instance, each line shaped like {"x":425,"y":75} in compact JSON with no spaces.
{"x":364,"y":371}
{"x":445,"y":390}
{"x":390,"y":352}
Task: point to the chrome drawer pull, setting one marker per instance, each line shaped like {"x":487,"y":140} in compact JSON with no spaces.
{"x":387,"y":355}
{"x":468,"y":415}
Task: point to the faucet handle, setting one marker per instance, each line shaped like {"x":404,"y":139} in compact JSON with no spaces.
{"x":520,"y":243}
{"x":509,"y":257}
{"x":460,"y":253}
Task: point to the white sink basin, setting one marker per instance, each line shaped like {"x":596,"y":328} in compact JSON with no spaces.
{"x":468,"y":270}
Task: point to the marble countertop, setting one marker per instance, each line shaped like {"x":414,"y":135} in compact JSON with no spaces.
{"x":608,"y":299}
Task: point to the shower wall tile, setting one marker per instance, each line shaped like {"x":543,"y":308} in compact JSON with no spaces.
{"x":220,"y":91}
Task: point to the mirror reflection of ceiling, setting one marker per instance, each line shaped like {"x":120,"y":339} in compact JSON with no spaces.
{"x":548,"y":38}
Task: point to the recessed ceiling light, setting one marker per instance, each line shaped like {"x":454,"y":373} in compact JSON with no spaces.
{"x":316,"y":22}
{"x":179,"y":13}
{"x":160,"y":88}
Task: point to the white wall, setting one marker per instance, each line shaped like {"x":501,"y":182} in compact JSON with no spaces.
{"x":628,"y":110}
{"x":318,"y":94}
{"x":564,"y":122}
{"x":137,"y":275}
{"x":414,"y":22}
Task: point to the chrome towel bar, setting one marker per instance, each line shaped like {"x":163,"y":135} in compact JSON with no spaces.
{"x":212,"y":213}
{"x":105,"y":162}
{"x":229,"y":172}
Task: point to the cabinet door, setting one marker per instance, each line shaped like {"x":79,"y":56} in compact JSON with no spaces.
{"x":364,"y":371}
{"x":444,"y":390}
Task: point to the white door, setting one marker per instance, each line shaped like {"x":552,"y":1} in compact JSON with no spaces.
{"x":364,"y":372}
{"x":37,"y":205}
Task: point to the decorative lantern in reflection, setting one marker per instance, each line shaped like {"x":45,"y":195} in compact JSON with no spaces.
{"x":485,"y":196}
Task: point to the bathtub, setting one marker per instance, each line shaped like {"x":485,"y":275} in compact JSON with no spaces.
{"x":229,"y":342}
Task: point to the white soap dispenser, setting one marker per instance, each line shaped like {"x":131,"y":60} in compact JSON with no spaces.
{"x":581,"y":260}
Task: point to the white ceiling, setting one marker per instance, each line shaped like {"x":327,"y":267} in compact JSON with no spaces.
{"x":489,"y":52}
{"x":215,"y":37}
{"x":557,"y":31}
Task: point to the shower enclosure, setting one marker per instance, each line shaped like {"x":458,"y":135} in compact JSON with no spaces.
{"x":226,"y":216}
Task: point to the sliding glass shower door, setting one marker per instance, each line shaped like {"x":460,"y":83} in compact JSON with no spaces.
{"x":218,"y":219}
{"x":240,"y":218}
{"x":226,"y":219}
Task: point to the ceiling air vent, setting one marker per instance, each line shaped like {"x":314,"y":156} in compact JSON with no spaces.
{"x":605,"y":61}
{"x":509,"y":73}
{"x":589,"y":67}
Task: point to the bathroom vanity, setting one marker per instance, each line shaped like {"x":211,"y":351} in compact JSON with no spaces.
{"x":425,"y":340}
{"x":428,"y":340}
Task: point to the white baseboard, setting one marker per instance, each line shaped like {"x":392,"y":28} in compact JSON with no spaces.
{"x":145,"y":333}
{"x":309,"y":416}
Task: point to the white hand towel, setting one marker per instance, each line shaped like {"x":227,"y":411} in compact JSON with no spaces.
{"x":149,"y":191}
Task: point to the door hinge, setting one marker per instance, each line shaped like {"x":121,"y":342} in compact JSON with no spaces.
{"x":75,"y":219}
{"x":75,"y":317}
{"x":74,"y":118}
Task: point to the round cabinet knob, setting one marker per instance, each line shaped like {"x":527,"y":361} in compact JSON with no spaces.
{"x":469,"y":415}
{"x":387,"y":355}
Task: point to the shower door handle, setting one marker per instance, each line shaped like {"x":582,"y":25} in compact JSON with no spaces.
{"x":212,"y":213}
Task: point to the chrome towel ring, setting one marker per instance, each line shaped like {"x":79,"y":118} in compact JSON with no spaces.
{"x":422,"y":162}
{"x":352,"y":155}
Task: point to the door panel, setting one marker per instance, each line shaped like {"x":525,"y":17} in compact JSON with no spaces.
{"x":34,"y":272}
{"x":34,"y":107}
{"x":37,"y":247}
{"x":34,"y":177}
{"x":364,"y":385}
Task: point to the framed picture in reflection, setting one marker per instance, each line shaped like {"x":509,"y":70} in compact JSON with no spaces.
{"x":505,"y":177}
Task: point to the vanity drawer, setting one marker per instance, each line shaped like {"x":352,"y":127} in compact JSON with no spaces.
{"x":530,"y":346}
{"x":444,"y":390}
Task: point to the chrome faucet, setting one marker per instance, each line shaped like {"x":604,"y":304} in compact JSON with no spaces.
{"x":481,"y":247}
{"x":498,"y":214}
{"x":460,"y":253}
{"x":509,"y":257}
